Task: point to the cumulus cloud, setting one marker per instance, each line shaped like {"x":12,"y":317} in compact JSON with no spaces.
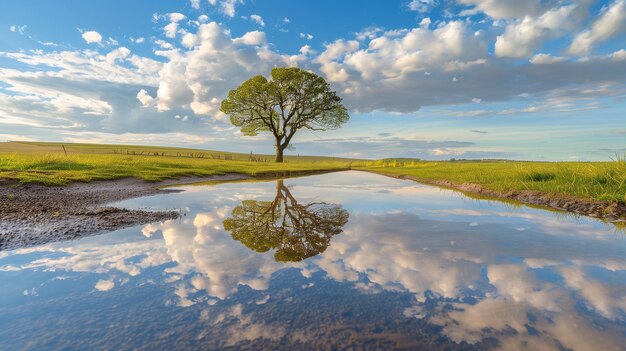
{"x":506,"y":9}
{"x":92,"y":37}
{"x":189,"y":40}
{"x":176,"y":16}
{"x":104,"y":285}
{"x":117,"y":54}
{"x":227,"y":7}
{"x":252,"y":38}
{"x":544,"y":59}
{"x":450,"y":64}
{"x":171,"y":29}
{"x":201,"y":77}
{"x":421,"y":5}
{"x":612,"y":21}
{"x":307,"y":50}
{"x":521,"y":38}
{"x":258,"y":19}
{"x":146,"y":99}
{"x":83,"y":91}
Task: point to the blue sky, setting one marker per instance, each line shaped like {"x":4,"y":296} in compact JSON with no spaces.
{"x":435,"y":79}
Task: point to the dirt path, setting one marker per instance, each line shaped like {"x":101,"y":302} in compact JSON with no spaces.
{"x":36,"y":214}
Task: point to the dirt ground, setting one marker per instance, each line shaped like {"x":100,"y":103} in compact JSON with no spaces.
{"x":36,"y":214}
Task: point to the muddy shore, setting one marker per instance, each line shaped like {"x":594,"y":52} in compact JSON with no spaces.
{"x":32,"y":214}
{"x":605,"y":210}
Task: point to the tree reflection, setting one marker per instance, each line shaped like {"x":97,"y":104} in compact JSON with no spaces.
{"x":296,"y":231}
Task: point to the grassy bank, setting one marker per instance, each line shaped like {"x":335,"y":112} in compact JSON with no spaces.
{"x":599,"y":181}
{"x":55,"y":164}
{"x":58,"y":164}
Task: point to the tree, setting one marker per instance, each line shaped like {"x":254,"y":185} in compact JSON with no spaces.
{"x":296,"y":231}
{"x":291,"y":100}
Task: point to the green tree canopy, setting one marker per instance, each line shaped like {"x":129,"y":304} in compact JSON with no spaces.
{"x":291,"y":100}
{"x":296,"y":231}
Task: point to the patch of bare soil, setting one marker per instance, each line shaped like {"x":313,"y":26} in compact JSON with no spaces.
{"x":37,"y":214}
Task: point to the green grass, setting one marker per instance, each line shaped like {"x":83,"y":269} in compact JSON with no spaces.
{"x":48,"y":164}
{"x":590,"y":180}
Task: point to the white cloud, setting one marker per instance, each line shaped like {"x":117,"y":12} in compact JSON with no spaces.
{"x":117,"y":54}
{"x":402,"y":70}
{"x":252,"y":38}
{"x":164,"y":44}
{"x":146,"y":99}
{"x":612,"y":21}
{"x":200,"y":78}
{"x":619,"y":55}
{"x":176,"y":17}
{"x":338,"y":49}
{"x":18,"y":29}
{"x":104,"y":285}
{"x":258,"y":19}
{"x":306,"y":36}
{"x":78,"y":90}
{"x":189,"y":40}
{"x":523,"y":37}
{"x":195,"y":4}
{"x":171,"y":29}
{"x":545,"y":59}
{"x":307,"y":50}
{"x":506,"y":9}
{"x":228,"y":6}
{"x":92,"y":37}
{"x":421,"y":5}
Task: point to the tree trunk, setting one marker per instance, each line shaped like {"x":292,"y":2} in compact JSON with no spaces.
{"x":279,"y":154}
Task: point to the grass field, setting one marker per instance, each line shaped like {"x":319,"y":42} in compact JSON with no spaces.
{"x":589,"y":180}
{"x":56,"y":164}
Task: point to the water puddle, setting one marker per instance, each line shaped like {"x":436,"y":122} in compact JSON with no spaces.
{"x":339,"y":260}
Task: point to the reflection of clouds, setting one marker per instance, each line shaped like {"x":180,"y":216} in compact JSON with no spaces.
{"x":395,"y":263}
{"x":548,"y":222}
{"x":496,"y":314}
{"x":205,"y":257}
{"x":608,"y":302}
{"x":130,"y":258}
{"x":207,"y":260}
{"x":515,"y":282}
{"x":543,"y":316}
{"x":241,"y":327}
{"x":415,"y":255}
{"x":527,"y":289}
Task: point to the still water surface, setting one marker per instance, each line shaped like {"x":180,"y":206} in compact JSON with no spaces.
{"x":331,"y":261}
